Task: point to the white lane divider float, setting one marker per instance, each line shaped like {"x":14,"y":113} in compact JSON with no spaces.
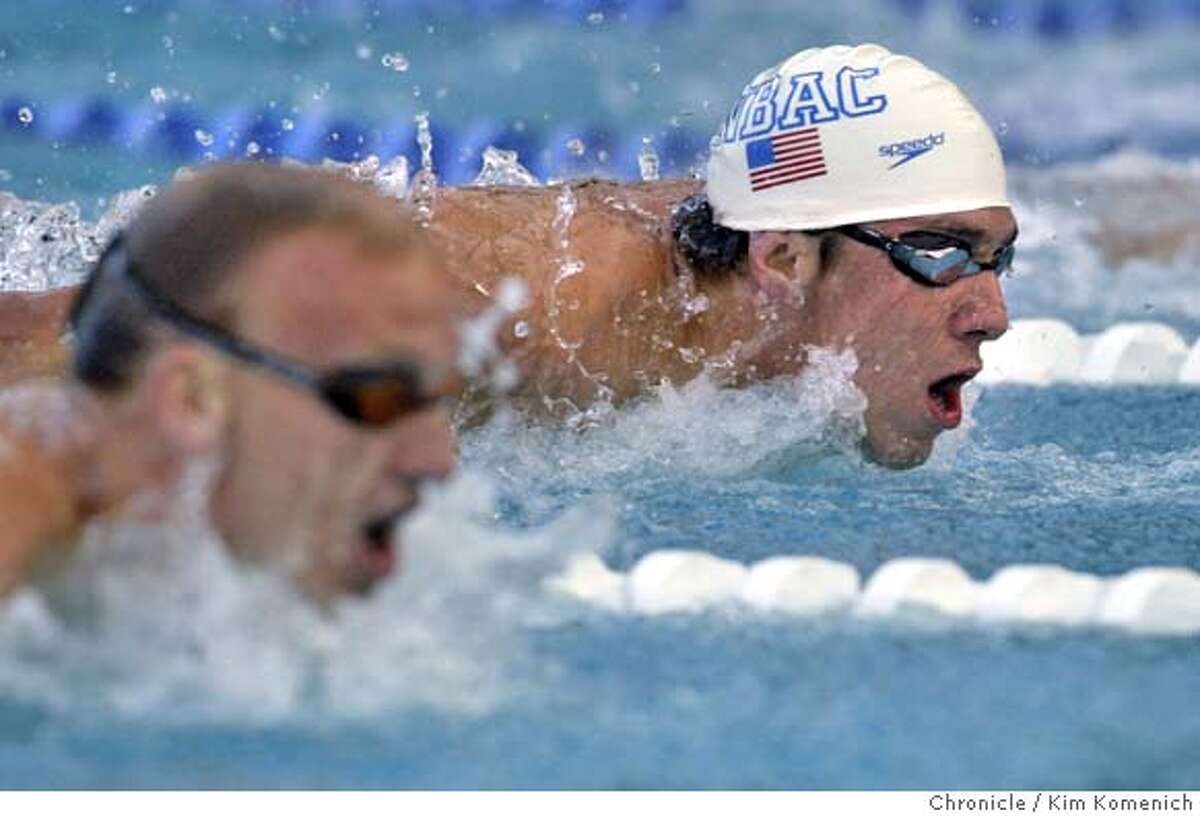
{"x":800,"y":585}
{"x":683,"y":581}
{"x":1047,"y":351}
{"x":1148,"y":600}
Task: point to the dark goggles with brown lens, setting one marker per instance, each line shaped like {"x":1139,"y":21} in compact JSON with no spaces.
{"x":929,"y":257}
{"x":372,"y":395}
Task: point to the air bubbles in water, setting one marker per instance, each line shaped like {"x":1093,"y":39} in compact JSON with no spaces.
{"x":576,"y":147}
{"x":502,"y":168}
{"x":521,"y":330}
{"x":204,"y":137}
{"x":25,"y":116}
{"x":363,"y":51}
{"x":287,"y":124}
{"x":253,"y":149}
{"x":158,"y":94}
{"x":595,"y":18}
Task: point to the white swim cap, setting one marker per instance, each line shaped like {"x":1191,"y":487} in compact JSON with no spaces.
{"x":843,"y":135}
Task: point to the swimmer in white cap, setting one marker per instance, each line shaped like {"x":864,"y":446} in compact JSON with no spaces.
{"x":291,"y":326}
{"x":855,"y":199}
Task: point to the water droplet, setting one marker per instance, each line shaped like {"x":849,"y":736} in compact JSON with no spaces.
{"x":204,"y":137}
{"x":521,"y":330}
{"x":576,"y":146}
{"x":648,"y":161}
{"x":158,"y":94}
{"x":396,"y":61}
{"x":111,"y":77}
{"x":363,"y":51}
{"x":655,"y":67}
{"x":287,"y":124}
{"x":25,"y":116}
{"x":253,"y":149}
{"x":502,"y":168}
{"x":595,"y":18}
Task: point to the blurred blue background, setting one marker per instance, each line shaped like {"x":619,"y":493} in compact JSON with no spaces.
{"x":104,"y":95}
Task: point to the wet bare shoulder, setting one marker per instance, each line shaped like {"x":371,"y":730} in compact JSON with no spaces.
{"x":31,"y":324}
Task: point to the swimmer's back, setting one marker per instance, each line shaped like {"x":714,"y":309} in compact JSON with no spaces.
{"x":616,"y":258}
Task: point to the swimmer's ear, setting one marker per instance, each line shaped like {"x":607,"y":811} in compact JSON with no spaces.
{"x":188,"y":398}
{"x":783,"y":264}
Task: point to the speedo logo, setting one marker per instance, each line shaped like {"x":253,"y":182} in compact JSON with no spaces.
{"x":912,"y":149}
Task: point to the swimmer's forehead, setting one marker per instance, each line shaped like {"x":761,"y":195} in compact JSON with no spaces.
{"x":316,"y":294}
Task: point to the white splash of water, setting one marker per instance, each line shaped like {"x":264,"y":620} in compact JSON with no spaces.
{"x":157,"y":622}
{"x":45,"y":246}
{"x":699,"y":429}
{"x":648,"y":163}
{"x":479,"y":354}
{"x":503,"y":168}
{"x":424,"y":184}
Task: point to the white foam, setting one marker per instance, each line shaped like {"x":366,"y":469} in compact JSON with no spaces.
{"x":683,"y":581}
{"x":1040,"y":593}
{"x":1140,"y":352}
{"x":800,"y":585}
{"x":919,"y":585}
{"x":1036,"y":352}
{"x":1154,"y":601}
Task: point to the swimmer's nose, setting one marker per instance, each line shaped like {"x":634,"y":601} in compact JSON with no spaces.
{"x":422,"y":446}
{"x":982,"y":313}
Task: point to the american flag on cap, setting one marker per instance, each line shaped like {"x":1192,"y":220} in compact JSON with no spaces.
{"x":784,"y":158}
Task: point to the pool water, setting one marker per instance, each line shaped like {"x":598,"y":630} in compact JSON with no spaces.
{"x":547,"y":697}
{"x":157,"y":663}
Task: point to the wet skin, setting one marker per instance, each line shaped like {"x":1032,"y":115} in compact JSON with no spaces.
{"x":297,"y":486}
{"x":301,"y":485}
{"x":631,"y":309}
{"x":630,"y":314}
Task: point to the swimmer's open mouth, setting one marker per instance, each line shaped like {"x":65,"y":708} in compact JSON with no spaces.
{"x":945,"y":399}
{"x":380,"y":551}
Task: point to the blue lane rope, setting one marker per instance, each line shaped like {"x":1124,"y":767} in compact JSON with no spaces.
{"x":565,"y":150}
{"x":1061,"y":20}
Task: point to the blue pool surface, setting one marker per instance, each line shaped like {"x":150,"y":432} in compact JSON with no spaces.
{"x":733,"y":700}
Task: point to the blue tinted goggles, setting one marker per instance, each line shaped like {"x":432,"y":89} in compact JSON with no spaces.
{"x":929,"y":257}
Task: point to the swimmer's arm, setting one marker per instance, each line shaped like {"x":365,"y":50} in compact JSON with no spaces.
{"x":38,"y":512}
{"x":31,"y":328}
